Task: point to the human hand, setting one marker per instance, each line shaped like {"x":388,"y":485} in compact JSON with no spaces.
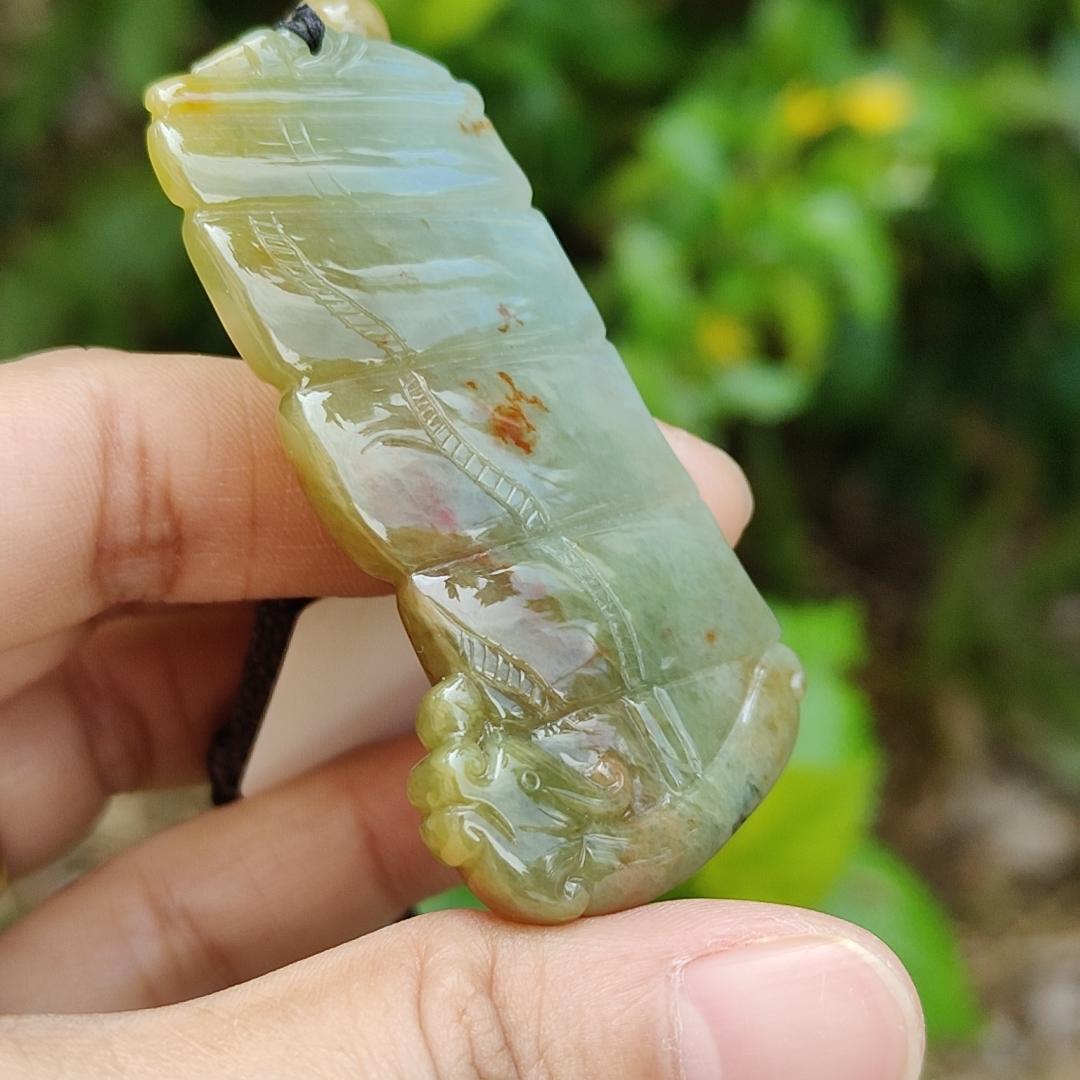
{"x":146,"y":504}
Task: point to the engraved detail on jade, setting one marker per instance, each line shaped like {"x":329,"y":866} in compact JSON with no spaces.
{"x":610,"y":699}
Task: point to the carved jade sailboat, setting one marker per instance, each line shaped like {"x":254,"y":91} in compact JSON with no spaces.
{"x":609,"y":700}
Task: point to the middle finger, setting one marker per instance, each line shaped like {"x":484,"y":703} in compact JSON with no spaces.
{"x":230,"y":895}
{"x":133,"y":705}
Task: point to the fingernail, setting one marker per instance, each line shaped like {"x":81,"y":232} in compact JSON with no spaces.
{"x":807,"y":1008}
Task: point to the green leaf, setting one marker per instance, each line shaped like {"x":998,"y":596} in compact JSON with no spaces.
{"x":651,"y":268}
{"x":684,"y":140}
{"x":854,"y":245}
{"x":880,"y":893}
{"x":836,"y":724}
{"x":460,"y":896}
{"x":997,"y":205}
{"x":765,"y":393}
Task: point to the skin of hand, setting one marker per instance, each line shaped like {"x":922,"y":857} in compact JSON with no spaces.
{"x":146,"y":504}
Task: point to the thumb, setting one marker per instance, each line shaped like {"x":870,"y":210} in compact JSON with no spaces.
{"x":689,"y":990}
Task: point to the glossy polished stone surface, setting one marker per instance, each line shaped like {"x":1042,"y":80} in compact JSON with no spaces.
{"x":610,"y":699}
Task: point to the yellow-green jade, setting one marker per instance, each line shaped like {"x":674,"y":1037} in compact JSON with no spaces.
{"x":610,"y":699}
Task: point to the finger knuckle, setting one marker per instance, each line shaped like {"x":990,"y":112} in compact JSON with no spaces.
{"x":469,"y":1020}
{"x":174,"y":954}
{"x":137,"y":539}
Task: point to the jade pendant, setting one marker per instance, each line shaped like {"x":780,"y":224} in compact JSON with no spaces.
{"x":609,"y":696}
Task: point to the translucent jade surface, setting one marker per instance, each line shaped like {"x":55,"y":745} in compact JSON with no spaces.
{"x":609,"y":700}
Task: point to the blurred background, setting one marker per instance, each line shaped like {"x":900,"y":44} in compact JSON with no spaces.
{"x":839,"y":237}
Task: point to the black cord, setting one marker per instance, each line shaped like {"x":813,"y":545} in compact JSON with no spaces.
{"x":307,"y":26}
{"x":231,"y":748}
{"x":275,"y":621}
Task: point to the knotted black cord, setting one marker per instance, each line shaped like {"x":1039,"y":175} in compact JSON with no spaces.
{"x":307,"y":26}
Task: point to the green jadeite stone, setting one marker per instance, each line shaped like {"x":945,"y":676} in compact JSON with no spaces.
{"x":609,"y":696}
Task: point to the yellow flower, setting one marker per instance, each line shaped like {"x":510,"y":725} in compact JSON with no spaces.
{"x":807,"y":111}
{"x":876,"y":104}
{"x":724,"y":339}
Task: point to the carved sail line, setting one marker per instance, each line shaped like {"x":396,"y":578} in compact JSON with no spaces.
{"x":428,"y":412}
{"x":616,"y":618}
{"x":292,"y":261}
{"x":499,"y":667}
{"x":509,"y":493}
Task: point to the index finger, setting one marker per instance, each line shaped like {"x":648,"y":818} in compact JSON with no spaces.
{"x":135,"y":478}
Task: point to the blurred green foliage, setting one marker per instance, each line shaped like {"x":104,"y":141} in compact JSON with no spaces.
{"x":842,"y":235}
